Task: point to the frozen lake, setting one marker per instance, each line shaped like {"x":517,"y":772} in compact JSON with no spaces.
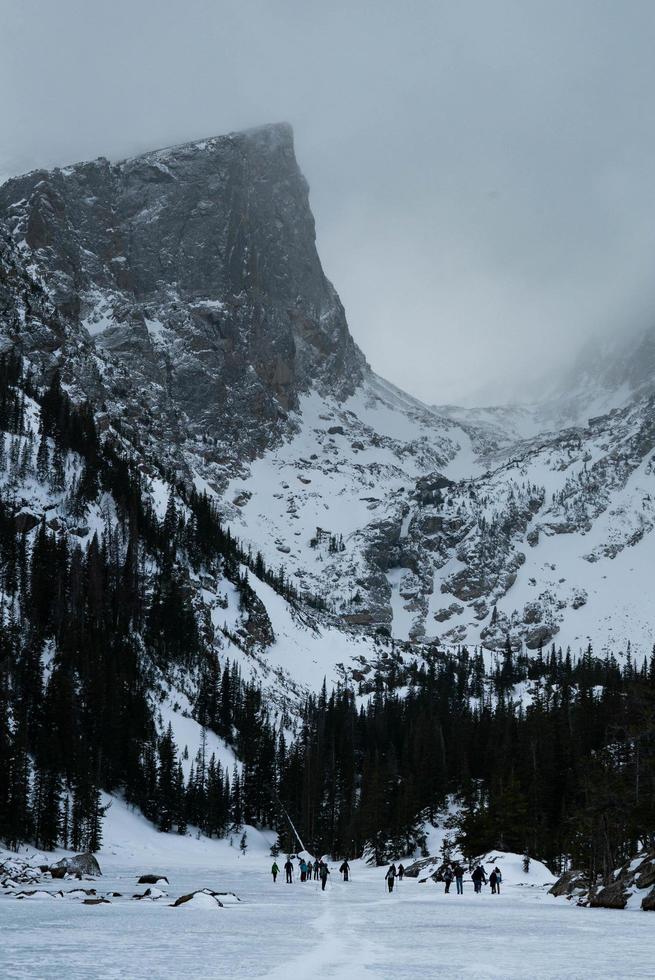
{"x":291,"y":932}
{"x":351,"y":931}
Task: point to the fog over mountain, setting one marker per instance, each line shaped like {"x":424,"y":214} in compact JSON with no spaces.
{"x":480,"y":174}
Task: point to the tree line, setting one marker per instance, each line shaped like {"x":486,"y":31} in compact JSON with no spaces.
{"x":548,"y":754}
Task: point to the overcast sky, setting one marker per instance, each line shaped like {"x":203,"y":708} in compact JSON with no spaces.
{"x":482,"y":171}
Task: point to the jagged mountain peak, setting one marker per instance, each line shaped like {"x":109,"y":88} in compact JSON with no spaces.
{"x":267,"y":137}
{"x":195,"y":268}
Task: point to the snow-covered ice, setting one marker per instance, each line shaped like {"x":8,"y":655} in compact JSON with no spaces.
{"x":292,"y":932}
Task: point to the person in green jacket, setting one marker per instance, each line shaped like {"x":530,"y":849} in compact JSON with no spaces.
{"x":275,"y":871}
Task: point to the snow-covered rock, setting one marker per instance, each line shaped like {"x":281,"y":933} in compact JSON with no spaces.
{"x":204,"y":899}
{"x":85,"y":864}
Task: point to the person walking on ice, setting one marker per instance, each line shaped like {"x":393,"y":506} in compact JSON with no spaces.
{"x":478,"y":878}
{"x":448,"y":878}
{"x":345,"y":870}
{"x":288,"y":867}
{"x":459,"y":878}
{"x":324,"y":871}
{"x":275,"y":871}
{"x":401,"y":873}
{"x":317,"y":868}
{"x":391,"y":877}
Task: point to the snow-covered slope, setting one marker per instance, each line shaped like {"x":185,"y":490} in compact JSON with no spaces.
{"x":337,"y":489}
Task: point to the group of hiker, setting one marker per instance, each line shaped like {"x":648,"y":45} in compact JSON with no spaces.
{"x":316,"y":870}
{"x":478,"y":877}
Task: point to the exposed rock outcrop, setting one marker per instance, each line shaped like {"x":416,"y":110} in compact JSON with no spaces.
{"x":636,"y":878}
{"x":195,"y":267}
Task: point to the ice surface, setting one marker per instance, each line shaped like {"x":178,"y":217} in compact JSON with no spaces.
{"x":353,"y":931}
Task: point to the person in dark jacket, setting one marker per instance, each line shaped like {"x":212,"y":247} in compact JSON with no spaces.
{"x":499,"y":878}
{"x":317,"y":868}
{"x":458,"y":871}
{"x":401,"y":872}
{"x":345,"y":870}
{"x":478,"y":878}
{"x":493,"y":880}
{"x":275,"y":871}
{"x":391,"y":877}
{"x":324,"y":871}
{"x":288,"y":867}
{"x":448,"y":878}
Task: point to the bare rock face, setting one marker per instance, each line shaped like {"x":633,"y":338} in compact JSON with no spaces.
{"x":194,"y":267}
{"x":635,"y":877}
{"x":614,"y":896}
{"x":570,"y":885}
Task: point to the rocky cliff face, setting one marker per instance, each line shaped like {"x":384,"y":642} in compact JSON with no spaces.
{"x":195,"y":269}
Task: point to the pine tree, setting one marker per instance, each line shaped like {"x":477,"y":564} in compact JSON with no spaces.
{"x":167,"y":781}
{"x":43,"y":459}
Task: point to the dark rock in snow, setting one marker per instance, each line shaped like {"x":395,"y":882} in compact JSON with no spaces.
{"x":648,"y":903}
{"x":414,"y":870}
{"x":203,"y":896}
{"x":84,"y":864}
{"x":570,"y":884}
{"x":25,"y":522}
{"x":151,"y":879}
{"x":614,"y":896}
{"x":633,"y":877}
{"x":150,"y":893}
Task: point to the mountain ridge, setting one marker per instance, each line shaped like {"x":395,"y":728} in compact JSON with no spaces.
{"x":195,"y":309}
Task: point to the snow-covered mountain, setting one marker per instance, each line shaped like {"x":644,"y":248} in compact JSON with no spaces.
{"x":181,"y":291}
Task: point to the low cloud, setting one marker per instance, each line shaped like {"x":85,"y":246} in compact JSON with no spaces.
{"x":481,"y":173}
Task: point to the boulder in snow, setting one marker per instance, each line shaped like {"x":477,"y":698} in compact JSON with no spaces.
{"x":84,"y":864}
{"x":151,"y":893}
{"x":572,"y":884}
{"x":427,"y":865}
{"x":613,"y":896}
{"x":80,"y":893}
{"x":56,"y":872}
{"x":38,"y":893}
{"x":204,"y":898}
